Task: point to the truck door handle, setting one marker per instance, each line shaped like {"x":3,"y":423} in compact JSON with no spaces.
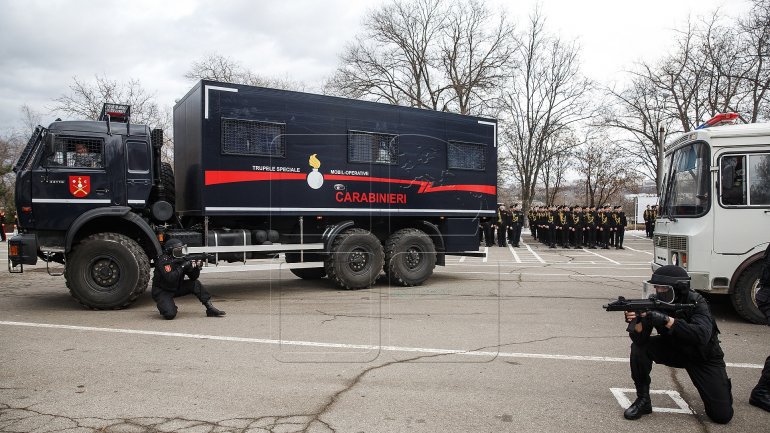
{"x":102,"y":190}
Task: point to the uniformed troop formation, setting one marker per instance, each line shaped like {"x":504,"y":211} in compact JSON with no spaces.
{"x":650,"y":214}
{"x":505,"y":228}
{"x":578,"y":226}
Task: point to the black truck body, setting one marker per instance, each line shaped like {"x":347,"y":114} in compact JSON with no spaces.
{"x":349,"y":188}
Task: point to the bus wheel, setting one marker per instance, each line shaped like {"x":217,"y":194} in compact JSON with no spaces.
{"x":743,"y":297}
{"x":107,"y":271}
{"x":356,"y":259}
{"x":410,"y":257}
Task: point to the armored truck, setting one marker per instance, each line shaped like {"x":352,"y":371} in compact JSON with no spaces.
{"x":328,"y":187}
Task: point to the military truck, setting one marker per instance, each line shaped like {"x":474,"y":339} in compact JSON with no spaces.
{"x":340,"y":189}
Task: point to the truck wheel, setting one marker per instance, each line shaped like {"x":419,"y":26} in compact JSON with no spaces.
{"x":743,"y":298}
{"x":410,"y":257}
{"x":306,"y":273}
{"x":356,"y":259}
{"x":107,"y":271}
{"x":167,"y":179}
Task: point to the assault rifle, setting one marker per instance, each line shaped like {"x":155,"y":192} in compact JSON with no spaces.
{"x":196,"y":257}
{"x":642,"y":305}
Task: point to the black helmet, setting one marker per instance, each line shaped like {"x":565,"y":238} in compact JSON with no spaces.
{"x":173,"y":247}
{"x":674,"y":276}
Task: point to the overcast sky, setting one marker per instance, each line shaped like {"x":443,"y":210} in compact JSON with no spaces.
{"x":44,"y":44}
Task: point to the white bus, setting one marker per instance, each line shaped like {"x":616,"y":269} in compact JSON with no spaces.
{"x":714,"y":216}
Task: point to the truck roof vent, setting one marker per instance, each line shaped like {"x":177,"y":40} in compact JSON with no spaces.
{"x":115,"y":113}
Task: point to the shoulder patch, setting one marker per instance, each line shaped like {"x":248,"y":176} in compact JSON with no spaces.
{"x":167,"y":268}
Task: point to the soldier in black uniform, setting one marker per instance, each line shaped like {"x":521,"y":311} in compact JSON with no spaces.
{"x":503,"y":221}
{"x":577,"y":226}
{"x":2,"y":226}
{"x":647,"y":224}
{"x":760,"y":395}
{"x":620,"y":227}
{"x":517,"y":219}
{"x":603,"y":227}
{"x":532,"y":220}
{"x":551,"y":220}
{"x":590,"y":227}
{"x":489,"y":232}
{"x":169,"y":281}
{"x":688,"y":339}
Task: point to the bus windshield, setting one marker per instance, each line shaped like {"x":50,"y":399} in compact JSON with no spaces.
{"x":686,"y":185}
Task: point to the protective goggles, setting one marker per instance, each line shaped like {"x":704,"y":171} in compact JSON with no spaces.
{"x":662,"y":292}
{"x":178,"y":252}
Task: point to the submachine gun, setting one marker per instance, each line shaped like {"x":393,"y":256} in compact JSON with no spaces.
{"x":644,"y":305}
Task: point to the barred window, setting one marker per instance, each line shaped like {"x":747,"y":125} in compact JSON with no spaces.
{"x":76,"y":152}
{"x":373,"y":148}
{"x":466,"y":156}
{"x":251,"y":137}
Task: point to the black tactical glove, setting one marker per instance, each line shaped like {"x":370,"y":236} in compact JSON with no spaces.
{"x":187,"y":265}
{"x":657,"y":318}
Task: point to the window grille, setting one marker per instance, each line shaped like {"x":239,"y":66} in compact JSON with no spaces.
{"x":251,"y":137}
{"x":76,"y":153}
{"x":372,"y":148}
{"x":466,"y":156}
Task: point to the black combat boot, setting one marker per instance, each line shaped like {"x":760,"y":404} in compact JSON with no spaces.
{"x":212,"y":311}
{"x":760,"y":395}
{"x":642,"y":405}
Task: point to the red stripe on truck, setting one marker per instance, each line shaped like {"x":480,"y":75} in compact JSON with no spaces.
{"x":217,"y":177}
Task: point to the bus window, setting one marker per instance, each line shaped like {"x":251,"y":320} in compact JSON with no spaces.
{"x":759,"y":178}
{"x":733,"y":180}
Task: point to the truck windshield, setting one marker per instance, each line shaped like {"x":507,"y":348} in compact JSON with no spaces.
{"x":686,"y":185}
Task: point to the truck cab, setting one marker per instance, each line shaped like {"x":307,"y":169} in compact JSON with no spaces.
{"x":77,"y":179}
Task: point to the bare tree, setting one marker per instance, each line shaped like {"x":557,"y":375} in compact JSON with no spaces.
{"x":395,"y":59}
{"x":436,"y":54}
{"x":9,"y":151}
{"x":554,"y":173}
{"x":216,"y":67}
{"x":546,"y":96}
{"x":638,"y":112}
{"x":755,"y":56}
{"x":474,"y":54}
{"x":604,"y":171}
{"x":85,"y":101}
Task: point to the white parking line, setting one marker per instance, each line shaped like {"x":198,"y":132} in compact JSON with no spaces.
{"x":599,"y":255}
{"x":338,"y":345}
{"x":638,"y":251}
{"x":515,"y":256}
{"x":625,"y":402}
{"x":541,"y":274}
{"x":539,"y":259}
{"x":486,"y":254}
{"x":462,"y":259}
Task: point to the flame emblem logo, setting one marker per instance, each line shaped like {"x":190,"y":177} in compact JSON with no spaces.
{"x":315,"y":179}
{"x":314,"y":162}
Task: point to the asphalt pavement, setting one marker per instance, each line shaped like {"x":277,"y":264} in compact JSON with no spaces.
{"x":516,"y":341}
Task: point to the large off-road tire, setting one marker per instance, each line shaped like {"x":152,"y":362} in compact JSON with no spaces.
{"x":306,"y":273}
{"x":410,"y":257}
{"x":356,"y":259}
{"x":107,"y":271}
{"x":743,"y":298}
{"x":167,"y":180}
